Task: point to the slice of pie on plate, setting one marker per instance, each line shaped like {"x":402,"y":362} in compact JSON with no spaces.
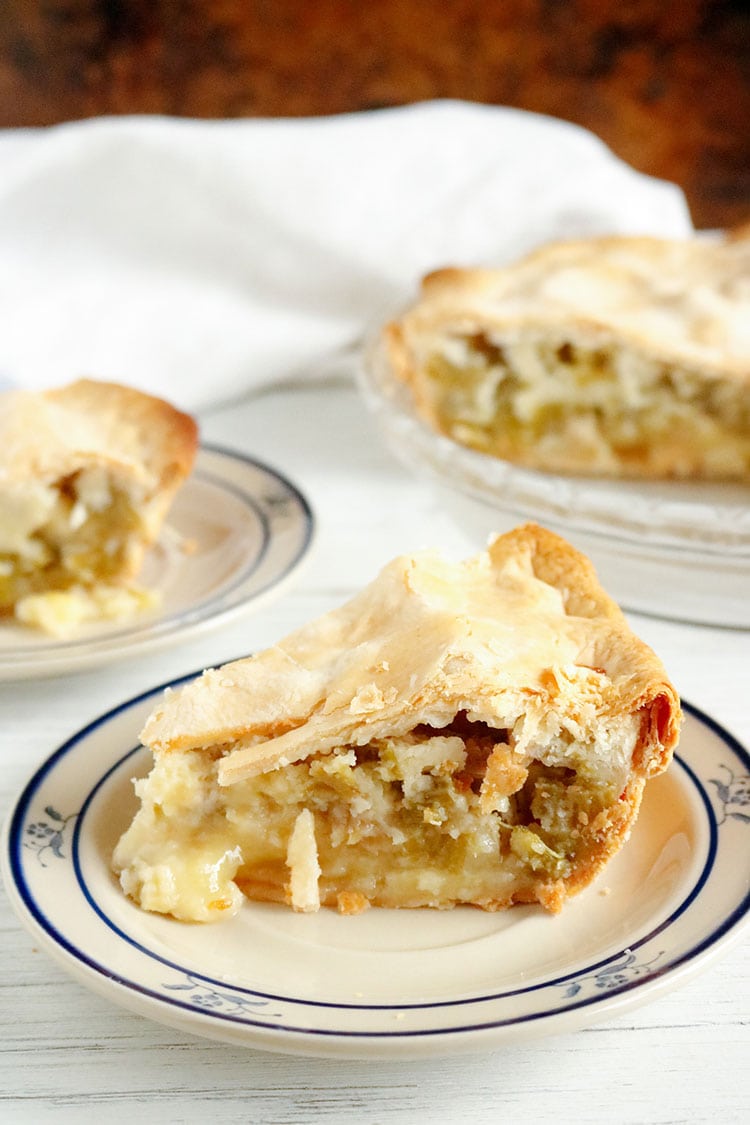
{"x":620,"y":357}
{"x":87,"y":474}
{"x":478,"y":732}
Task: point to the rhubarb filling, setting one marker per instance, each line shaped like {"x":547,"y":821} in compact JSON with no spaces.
{"x":430,"y":817}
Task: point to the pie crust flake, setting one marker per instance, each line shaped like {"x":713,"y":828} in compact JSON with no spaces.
{"x":625,"y":357}
{"x":87,"y":474}
{"x":477,"y":732}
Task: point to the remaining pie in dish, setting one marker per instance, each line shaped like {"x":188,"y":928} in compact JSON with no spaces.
{"x":478,"y":732}
{"x":87,"y":474}
{"x":609,"y":356}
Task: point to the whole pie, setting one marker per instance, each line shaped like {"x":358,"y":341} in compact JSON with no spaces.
{"x":87,"y":474}
{"x":476,"y":732}
{"x":608,"y":356}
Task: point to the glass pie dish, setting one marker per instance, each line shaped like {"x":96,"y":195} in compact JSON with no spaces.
{"x":673,"y":549}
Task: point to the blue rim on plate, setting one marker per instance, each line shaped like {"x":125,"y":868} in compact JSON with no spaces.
{"x":88,"y":931}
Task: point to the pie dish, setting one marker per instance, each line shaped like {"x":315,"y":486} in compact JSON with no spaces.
{"x":612,"y":357}
{"x":87,"y":474}
{"x":478,"y":732}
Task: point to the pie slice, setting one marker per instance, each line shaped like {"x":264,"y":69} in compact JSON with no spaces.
{"x":625,"y":357}
{"x":87,"y":474}
{"x":478,"y":732}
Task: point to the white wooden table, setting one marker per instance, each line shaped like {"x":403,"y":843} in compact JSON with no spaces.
{"x":68,"y":1055}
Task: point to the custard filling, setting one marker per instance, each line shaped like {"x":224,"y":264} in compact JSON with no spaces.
{"x":595,"y":407}
{"x":433,"y":817}
{"x":78,"y":532}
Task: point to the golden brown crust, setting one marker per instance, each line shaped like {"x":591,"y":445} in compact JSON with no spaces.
{"x":134,"y":425}
{"x":610,"y":287}
{"x":613,"y":649}
{"x":142,"y":431}
{"x":56,"y":432}
{"x":374,"y":663}
{"x":92,"y":455}
{"x":509,"y":687}
{"x":610,"y":356}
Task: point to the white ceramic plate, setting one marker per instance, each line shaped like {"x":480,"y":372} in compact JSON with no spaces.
{"x":676,"y":549}
{"x":248,"y":529}
{"x":384,"y":983}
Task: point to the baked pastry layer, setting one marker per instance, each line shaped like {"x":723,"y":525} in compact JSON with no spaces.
{"x":611,"y":356}
{"x":87,"y":473}
{"x":476,"y":733}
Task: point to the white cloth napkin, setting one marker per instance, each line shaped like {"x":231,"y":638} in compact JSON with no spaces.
{"x":199,"y":260}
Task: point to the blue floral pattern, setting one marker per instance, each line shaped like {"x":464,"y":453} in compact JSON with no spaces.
{"x":206,"y":996}
{"x":622,"y":971}
{"x":48,"y":837}
{"x":277,"y":504}
{"x":733,"y":792}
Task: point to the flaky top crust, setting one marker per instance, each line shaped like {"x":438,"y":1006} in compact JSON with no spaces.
{"x":685,"y":302}
{"x":48,"y":435}
{"x":518,"y":630}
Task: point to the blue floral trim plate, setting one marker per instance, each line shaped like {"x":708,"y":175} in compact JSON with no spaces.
{"x":384,"y":983}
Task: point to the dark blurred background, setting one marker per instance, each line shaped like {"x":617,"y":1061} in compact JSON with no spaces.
{"x":665,"y":84}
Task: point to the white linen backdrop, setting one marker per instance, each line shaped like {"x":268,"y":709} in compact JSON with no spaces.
{"x":202,"y":259}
